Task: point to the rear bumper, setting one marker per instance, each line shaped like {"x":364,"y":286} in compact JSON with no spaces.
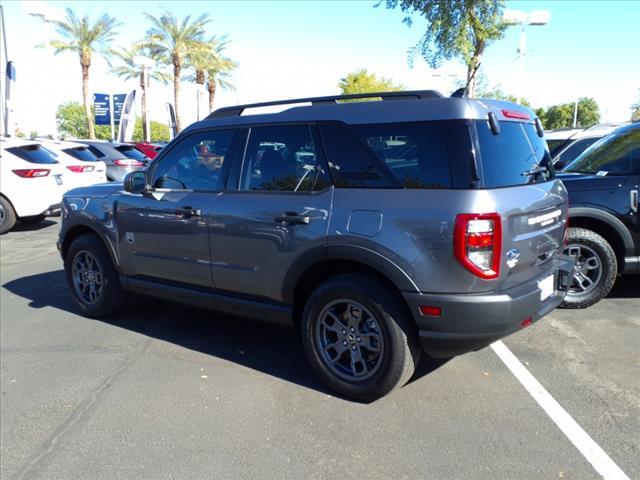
{"x":472,"y":321}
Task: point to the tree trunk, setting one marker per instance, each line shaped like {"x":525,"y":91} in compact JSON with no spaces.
{"x":143,"y":104}
{"x":211,"y":86}
{"x":475,"y":60}
{"x":176,"y":92}
{"x":87,"y":104}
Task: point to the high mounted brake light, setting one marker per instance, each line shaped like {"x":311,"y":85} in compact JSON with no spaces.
{"x":477,"y":240}
{"x":516,"y":115}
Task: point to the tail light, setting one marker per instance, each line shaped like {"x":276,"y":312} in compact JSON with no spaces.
{"x":32,"y":172}
{"x":80,"y":168}
{"x":128,"y":162}
{"x":477,"y":240}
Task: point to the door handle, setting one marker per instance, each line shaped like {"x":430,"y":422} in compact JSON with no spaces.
{"x":634,"y":200}
{"x":188,"y":212}
{"x":293,"y":217}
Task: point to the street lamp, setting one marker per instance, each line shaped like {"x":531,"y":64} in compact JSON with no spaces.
{"x":518,"y":17}
{"x":146,"y":63}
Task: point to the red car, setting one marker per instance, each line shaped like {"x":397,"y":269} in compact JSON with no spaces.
{"x":149,"y":149}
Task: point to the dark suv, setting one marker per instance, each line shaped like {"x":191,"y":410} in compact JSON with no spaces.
{"x":604,"y":237}
{"x":377,"y":228}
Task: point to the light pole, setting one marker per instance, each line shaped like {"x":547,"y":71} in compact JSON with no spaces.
{"x":146,"y":63}
{"x":518,"y":17}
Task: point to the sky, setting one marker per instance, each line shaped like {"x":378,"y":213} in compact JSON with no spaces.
{"x":289,"y":49}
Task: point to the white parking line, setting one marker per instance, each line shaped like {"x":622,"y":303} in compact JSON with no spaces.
{"x":595,"y":455}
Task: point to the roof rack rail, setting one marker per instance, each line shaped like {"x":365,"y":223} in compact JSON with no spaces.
{"x":236,"y":111}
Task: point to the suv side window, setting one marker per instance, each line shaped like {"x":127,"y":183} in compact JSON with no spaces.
{"x":280,"y":158}
{"x":96,"y":152}
{"x":196,"y":162}
{"x":416,"y":153}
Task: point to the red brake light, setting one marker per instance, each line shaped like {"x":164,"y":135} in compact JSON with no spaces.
{"x":477,"y":243}
{"x":516,"y":115}
{"x":32,"y":172}
{"x":128,"y":162}
{"x":80,"y":168}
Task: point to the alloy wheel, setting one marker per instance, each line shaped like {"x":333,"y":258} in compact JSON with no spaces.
{"x":88,"y":281}
{"x":349,"y":339}
{"x":587,"y":271}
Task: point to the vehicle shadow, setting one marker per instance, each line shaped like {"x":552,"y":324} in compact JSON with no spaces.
{"x":263,"y":347}
{"x":32,"y":227}
{"x":626,"y":287}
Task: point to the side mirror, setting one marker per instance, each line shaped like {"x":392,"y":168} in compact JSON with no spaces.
{"x":135,"y":182}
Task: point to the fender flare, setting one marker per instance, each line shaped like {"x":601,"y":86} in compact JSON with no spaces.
{"x":81,"y":221}
{"x":610,"y":220}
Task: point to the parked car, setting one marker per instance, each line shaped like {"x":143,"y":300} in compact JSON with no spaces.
{"x":557,"y":138}
{"x":149,"y":149}
{"x":579,"y":142}
{"x":84,"y":167}
{"x":604,"y":237}
{"x":31,"y":183}
{"x":420,"y":223}
{"x":120,"y":158}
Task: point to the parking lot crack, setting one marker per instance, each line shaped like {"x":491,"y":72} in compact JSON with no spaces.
{"x":35,"y":464}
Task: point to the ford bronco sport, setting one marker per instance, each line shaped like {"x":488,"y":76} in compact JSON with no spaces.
{"x":377,"y":228}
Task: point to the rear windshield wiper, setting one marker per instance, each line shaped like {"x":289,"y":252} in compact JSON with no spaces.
{"x":534,"y":171}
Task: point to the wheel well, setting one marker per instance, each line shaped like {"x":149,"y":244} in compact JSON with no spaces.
{"x":74,"y":233}
{"x":321,"y":272}
{"x":604,"y":230}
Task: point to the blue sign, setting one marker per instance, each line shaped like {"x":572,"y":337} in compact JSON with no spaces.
{"x":118,"y":104}
{"x":102,"y":109}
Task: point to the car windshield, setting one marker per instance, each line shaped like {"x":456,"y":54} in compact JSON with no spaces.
{"x":615,"y":154}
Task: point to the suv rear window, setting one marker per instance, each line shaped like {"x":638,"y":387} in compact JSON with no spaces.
{"x":132,"y":153}
{"x":33,"y":154}
{"x":81,"y":153}
{"x":515,"y":156}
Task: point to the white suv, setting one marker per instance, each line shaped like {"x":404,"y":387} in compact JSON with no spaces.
{"x":32,"y":183}
{"x":83,"y":167}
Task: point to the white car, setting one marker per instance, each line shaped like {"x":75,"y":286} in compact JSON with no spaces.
{"x":83,"y":166}
{"x":32,"y":182}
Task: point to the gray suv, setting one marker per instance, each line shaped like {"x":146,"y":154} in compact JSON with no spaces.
{"x":378,"y":229}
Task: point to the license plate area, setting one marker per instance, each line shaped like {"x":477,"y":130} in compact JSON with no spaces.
{"x":547,"y":287}
{"x":58,"y":179}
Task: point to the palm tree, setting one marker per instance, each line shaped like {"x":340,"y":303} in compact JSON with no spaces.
{"x":79,"y":36}
{"x":211,"y":65}
{"x":172,"y":42}
{"x":129,"y":69}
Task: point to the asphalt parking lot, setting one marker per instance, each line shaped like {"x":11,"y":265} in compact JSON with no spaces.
{"x":167,"y":391}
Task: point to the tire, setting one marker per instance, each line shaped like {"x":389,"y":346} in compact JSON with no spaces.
{"x":7,"y":216}
{"x":595,"y":271}
{"x":109,"y":298}
{"x":32,"y":219}
{"x":384,"y":323}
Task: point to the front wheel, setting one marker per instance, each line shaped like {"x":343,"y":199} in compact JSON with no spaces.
{"x":358,"y":337}
{"x":92,"y":278}
{"x":7,"y":216}
{"x":595,"y":271}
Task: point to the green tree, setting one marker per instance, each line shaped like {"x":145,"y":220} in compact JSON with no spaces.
{"x":172,"y":41}
{"x":129,"y":70}
{"x":78,"y":35}
{"x":210,"y":64}
{"x":635,"y":108}
{"x":455,"y":29}
{"x":70,"y":120}
{"x":159,"y":131}
{"x":561,"y":116}
{"x":361,"y":81}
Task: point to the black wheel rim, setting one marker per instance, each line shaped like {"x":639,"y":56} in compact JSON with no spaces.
{"x":350,"y":340}
{"x":588,"y":270}
{"x":88,"y":281}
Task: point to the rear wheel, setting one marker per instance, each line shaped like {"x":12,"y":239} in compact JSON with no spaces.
{"x":595,"y":271}
{"x":359,"y":337}
{"x":92,"y":278}
{"x":7,"y":216}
